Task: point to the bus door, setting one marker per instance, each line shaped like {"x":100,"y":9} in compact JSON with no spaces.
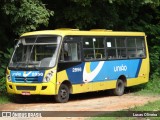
{"x":70,"y":60}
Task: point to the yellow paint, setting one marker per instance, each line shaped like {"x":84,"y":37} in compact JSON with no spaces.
{"x":93,"y":86}
{"x":143,"y":75}
{"x":61,"y":76}
{"x":57,"y":79}
{"x":48,"y":91}
{"x":71,"y":32}
{"x":87,"y":64}
{"x":50,"y":86}
{"x":53,"y":78}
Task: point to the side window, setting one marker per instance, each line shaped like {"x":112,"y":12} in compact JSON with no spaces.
{"x":70,"y":50}
{"x":131,"y":45}
{"x":111,"y":48}
{"x":116,"y":47}
{"x":140,"y":47}
{"x":93,"y":48}
{"x":121,"y":47}
{"x":136,"y":47}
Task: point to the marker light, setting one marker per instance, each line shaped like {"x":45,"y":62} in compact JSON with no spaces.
{"x":9,"y":78}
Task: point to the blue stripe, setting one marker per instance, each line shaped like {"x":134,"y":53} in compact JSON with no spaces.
{"x":139,"y":66}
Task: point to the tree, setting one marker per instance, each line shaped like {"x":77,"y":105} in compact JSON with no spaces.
{"x":124,"y":15}
{"x":26,"y":15}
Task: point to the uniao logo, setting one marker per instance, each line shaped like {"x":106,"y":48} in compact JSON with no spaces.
{"x":120,"y":68}
{"x":88,"y":74}
{"x":26,"y":74}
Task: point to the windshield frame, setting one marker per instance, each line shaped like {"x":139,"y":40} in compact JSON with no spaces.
{"x":59,"y":41}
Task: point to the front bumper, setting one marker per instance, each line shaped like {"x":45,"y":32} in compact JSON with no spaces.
{"x":31,"y":88}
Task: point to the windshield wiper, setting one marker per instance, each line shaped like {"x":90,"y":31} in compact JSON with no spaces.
{"x":32,"y":64}
{"x":35,"y":67}
{"x":31,"y":51}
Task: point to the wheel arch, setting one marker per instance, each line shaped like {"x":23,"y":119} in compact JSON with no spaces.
{"x":124,"y":79}
{"x":68,"y":84}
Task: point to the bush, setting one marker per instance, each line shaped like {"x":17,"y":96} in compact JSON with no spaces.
{"x":153,"y":85}
{"x":4,"y":59}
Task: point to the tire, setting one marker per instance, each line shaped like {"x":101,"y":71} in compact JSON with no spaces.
{"x":63,"y":94}
{"x":119,"y":90}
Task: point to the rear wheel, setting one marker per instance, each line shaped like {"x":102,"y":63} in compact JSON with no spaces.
{"x":119,"y":90}
{"x":63,"y":94}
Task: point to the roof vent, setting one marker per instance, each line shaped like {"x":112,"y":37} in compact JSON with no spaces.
{"x":67,"y":29}
{"x":101,"y":30}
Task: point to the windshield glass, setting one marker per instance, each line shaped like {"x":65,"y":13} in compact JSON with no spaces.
{"x":35,"y":52}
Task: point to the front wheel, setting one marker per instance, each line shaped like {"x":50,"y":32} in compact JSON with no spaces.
{"x":119,"y":90}
{"x":63,"y":94}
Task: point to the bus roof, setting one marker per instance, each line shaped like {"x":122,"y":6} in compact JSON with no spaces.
{"x":98,"y":32}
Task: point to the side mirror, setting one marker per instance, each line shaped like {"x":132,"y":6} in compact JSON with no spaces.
{"x":15,"y":42}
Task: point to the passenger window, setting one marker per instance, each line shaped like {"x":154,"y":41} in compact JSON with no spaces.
{"x":136,"y":47}
{"x":131,"y":42}
{"x":116,"y":48}
{"x":93,"y":48}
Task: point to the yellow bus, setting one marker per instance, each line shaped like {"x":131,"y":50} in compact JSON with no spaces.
{"x":69,"y":61}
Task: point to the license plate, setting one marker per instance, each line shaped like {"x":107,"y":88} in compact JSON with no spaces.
{"x":26,"y":93}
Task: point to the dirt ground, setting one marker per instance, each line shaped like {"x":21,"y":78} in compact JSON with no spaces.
{"x":88,"y":103}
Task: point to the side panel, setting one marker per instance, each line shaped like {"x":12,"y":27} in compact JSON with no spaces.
{"x":100,"y":75}
{"x":143,"y":75}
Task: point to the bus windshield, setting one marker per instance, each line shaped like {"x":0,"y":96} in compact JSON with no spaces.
{"x":35,"y":52}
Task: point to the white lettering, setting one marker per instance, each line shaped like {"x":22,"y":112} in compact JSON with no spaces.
{"x":34,"y":115}
{"x":79,"y":69}
{"x":16,"y":74}
{"x":24,"y":115}
{"x":137,"y":115}
{"x":34,"y":74}
{"x":150,"y":114}
{"x":120,"y":68}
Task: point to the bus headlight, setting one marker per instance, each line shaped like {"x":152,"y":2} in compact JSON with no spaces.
{"x":8,"y":75}
{"x":48,"y":77}
{"x":9,"y":78}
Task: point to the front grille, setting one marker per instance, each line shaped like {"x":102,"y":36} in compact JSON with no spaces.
{"x":26,"y":79}
{"x":26,"y":88}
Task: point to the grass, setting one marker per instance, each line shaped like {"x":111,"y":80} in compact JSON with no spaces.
{"x":4,"y":99}
{"x":151,"y":107}
{"x":151,"y":88}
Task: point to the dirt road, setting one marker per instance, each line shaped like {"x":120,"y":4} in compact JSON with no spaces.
{"x":98,"y":101}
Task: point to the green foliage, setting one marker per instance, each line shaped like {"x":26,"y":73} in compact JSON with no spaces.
{"x":20,"y":16}
{"x":83,"y":2}
{"x":27,"y":15}
{"x":154,"y":49}
{"x":154,"y":85}
{"x":4,"y":59}
{"x":155,"y":61}
{"x":104,"y":14}
{"x":155,"y":2}
{"x":4,"y":99}
{"x":128,"y":114}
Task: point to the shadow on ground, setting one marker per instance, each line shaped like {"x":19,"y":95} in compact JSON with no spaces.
{"x":50,"y":99}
